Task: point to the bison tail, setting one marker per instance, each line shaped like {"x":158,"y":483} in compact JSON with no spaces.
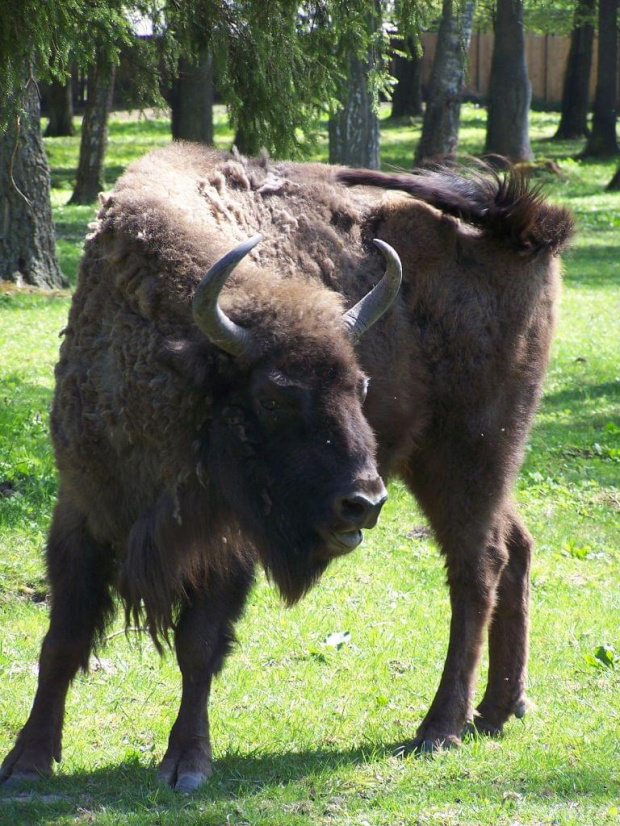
{"x":506,"y":207}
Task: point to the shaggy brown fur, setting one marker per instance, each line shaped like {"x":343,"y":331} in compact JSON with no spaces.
{"x":181,"y":466}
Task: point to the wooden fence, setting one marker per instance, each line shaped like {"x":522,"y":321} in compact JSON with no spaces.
{"x":545,"y":54}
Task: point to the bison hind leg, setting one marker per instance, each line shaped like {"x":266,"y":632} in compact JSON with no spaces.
{"x":508,"y":636}
{"x":79,"y":572}
{"x":461,"y":491}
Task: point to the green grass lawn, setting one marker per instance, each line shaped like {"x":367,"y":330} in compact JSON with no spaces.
{"x":303,"y":732}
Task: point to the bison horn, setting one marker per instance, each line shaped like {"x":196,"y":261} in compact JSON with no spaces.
{"x":209,"y":316}
{"x":370,"y":308}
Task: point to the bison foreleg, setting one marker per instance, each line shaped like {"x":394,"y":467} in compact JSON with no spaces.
{"x":203,"y":637}
{"x":508,"y":636}
{"x":79,"y":572}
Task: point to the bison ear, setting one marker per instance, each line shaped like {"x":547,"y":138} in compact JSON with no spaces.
{"x":370,"y":308}
{"x":191,"y":360}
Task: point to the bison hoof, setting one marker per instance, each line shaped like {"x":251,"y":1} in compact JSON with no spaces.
{"x":521,"y":708}
{"x":25,"y":765}
{"x":480,"y":725}
{"x":427,"y":743}
{"x":185,"y":772}
{"x":490,"y":721}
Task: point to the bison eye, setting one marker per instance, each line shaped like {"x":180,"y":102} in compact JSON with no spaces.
{"x":270,"y":404}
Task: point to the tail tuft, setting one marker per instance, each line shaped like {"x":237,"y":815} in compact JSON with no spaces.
{"x":507,"y":207}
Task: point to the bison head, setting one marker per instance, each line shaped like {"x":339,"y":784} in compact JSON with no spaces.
{"x":290,"y":447}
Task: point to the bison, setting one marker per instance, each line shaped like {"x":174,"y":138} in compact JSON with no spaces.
{"x":205,"y":424}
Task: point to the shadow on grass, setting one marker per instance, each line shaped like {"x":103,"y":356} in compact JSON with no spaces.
{"x":131,"y":787}
{"x":581,"y":393}
{"x":593,"y":266}
{"x":576,"y":421}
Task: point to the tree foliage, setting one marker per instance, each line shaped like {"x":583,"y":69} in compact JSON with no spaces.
{"x":43,"y":34}
{"x":279,"y":63}
{"x":540,"y":16}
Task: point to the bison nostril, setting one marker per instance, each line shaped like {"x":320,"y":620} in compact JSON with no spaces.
{"x":354,"y":509}
{"x":359,"y":510}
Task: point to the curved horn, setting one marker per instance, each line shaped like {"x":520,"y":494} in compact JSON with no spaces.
{"x":208,"y":315}
{"x":370,"y":308}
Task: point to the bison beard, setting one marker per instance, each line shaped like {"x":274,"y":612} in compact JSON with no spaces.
{"x":285,"y":545}
{"x":199,"y":434}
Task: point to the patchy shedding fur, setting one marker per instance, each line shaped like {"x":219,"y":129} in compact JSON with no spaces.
{"x":182,"y":467}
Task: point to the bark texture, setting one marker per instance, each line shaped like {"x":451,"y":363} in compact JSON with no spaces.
{"x":407,"y":96}
{"x":192,"y":100}
{"x":354,"y":129}
{"x":60,"y":101}
{"x":89,"y":179}
{"x":602,"y":142}
{"x":27,"y":239}
{"x":440,"y":131}
{"x":510,"y":91}
{"x":576,"y":90}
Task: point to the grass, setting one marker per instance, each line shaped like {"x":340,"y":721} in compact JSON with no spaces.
{"x":303,"y":732}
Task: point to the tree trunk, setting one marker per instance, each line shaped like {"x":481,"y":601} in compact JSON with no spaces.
{"x":191,"y":100}
{"x":602,"y":142}
{"x":407,"y":96}
{"x":614,"y":184}
{"x":354,"y":129}
{"x":89,"y":179}
{"x":440,"y":130}
{"x":246,"y":141}
{"x":510,"y":92}
{"x":60,"y":102}
{"x":576,"y":90}
{"x":27,"y":241}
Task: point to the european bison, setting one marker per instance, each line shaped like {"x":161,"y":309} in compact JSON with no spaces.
{"x":195,"y":439}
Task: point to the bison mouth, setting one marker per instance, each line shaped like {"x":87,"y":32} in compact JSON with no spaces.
{"x":339,"y":543}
